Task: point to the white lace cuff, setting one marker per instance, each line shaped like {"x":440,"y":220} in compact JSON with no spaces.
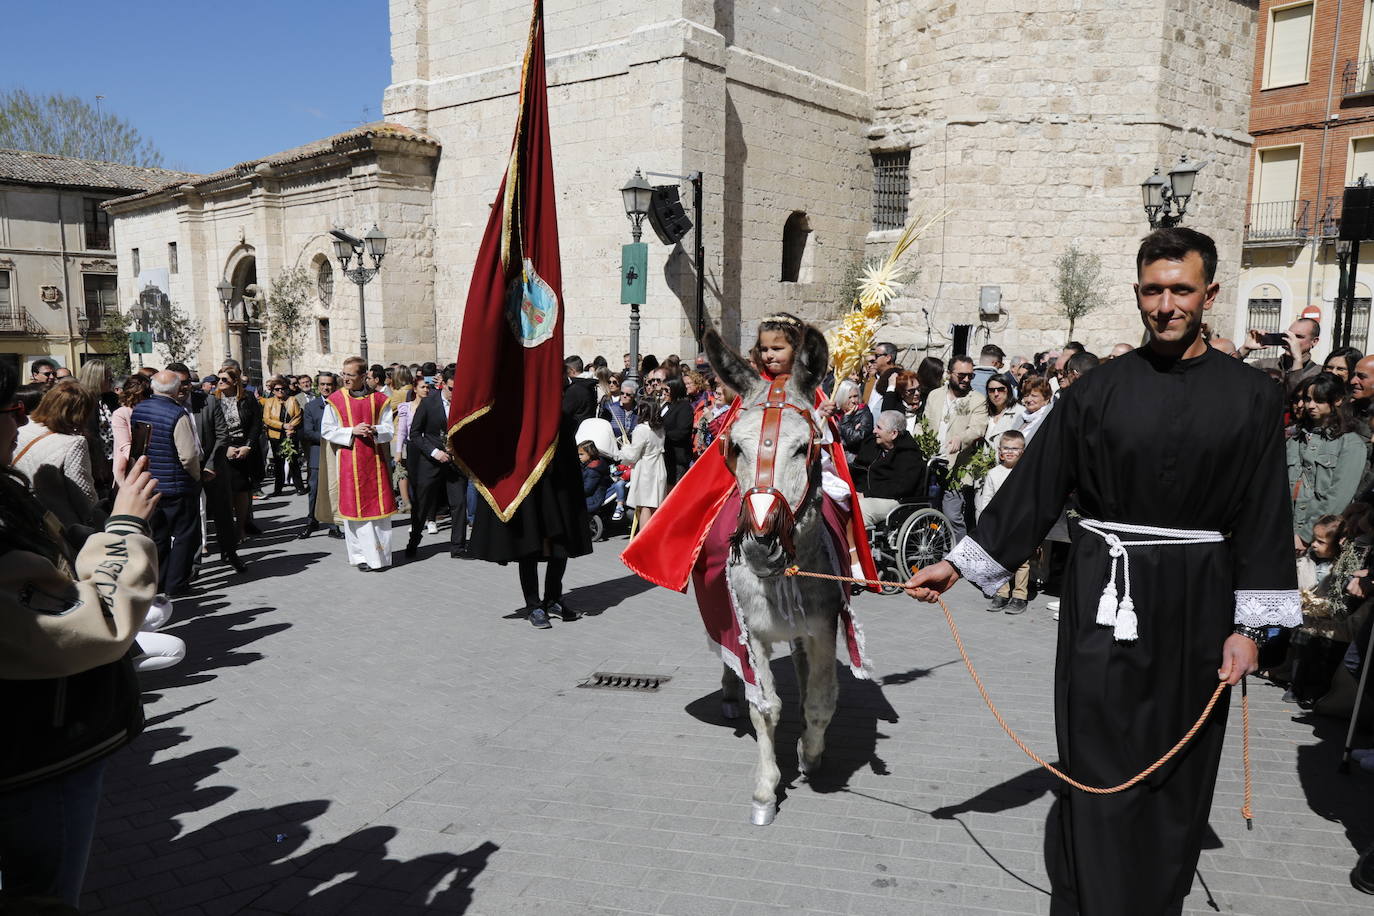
{"x":1268,"y":609}
{"x":975,"y":565}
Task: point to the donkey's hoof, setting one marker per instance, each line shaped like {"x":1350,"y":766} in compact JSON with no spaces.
{"x":729,"y":709}
{"x":805,"y":765}
{"x":763,"y":813}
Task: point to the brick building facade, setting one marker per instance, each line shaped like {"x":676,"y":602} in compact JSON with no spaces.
{"x":1312,"y":119}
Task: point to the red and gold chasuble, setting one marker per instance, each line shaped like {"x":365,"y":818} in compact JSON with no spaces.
{"x":364,"y":481}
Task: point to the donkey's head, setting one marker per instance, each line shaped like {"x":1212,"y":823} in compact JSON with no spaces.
{"x":774,"y":450}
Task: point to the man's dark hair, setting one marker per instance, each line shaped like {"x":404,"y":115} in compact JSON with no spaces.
{"x":574,"y":363}
{"x":886,"y":349}
{"x":993,"y":350}
{"x":40,"y":362}
{"x":1081,"y":362}
{"x":378,"y":372}
{"x":333,"y":378}
{"x":961,"y":358}
{"x":182,"y":368}
{"x":450,"y":372}
{"x":599,"y":363}
{"x":1174,"y":245}
{"x":430,"y":369}
{"x":1074,"y":346}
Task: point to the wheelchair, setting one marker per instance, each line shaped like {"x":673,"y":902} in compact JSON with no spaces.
{"x":915,"y":534}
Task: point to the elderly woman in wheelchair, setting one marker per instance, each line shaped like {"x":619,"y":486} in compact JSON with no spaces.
{"x":898,"y":492}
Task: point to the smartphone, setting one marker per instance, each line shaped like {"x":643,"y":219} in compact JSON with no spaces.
{"x":1274,"y":340}
{"x":138,"y":445}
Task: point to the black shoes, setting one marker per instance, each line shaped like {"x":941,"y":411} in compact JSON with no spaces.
{"x":411,"y":547}
{"x":996,"y":604}
{"x":539,"y":618}
{"x":460,"y":553}
{"x":310,"y":528}
{"x":233,"y":560}
{"x":336,"y":533}
{"x":253,"y":529}
{"x":560,"y":607}
{"x":1016,"y":606}
{"x":1363,"y":876}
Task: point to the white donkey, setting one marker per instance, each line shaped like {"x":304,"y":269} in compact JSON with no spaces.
{"x":775,"y":453}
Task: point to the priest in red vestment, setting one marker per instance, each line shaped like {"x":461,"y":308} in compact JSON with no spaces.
{"x":356,"y":426}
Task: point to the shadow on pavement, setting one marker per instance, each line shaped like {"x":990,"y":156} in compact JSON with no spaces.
{"x":1347,"y":799}
{"x":250,"y":859}
{"x":851,"y":742}
{"x":593,"y":600}
{"x":212,"y":642}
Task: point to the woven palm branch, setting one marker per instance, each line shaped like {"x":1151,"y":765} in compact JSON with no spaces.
{"x":879,"y":284}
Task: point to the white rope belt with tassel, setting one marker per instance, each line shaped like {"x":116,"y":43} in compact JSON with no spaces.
{"x":1120,"y":614}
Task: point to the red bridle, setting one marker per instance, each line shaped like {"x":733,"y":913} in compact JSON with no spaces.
{"x":765,"y":506}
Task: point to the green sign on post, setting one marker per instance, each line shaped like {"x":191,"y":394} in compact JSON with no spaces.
{"x":634,"y":273}
{"x":140,"y":342}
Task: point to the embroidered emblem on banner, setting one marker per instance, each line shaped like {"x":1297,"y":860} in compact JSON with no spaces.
{"x":531,"y":307}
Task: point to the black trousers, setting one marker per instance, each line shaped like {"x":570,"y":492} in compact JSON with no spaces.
{"x":176,"y":533}
{"x":424,"y":502}
{"x":278,"y":460}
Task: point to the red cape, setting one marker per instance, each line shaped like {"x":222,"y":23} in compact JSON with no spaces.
{"x":665,"y":551}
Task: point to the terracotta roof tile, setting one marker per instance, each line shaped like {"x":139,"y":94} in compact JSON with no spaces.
{"x":42,"y":168}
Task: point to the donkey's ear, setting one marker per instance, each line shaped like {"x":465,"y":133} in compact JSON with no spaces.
{"x":811,"y":363}
{"x":729,"y":365}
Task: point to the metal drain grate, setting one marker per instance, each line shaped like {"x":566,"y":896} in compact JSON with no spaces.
{"x":611,"y":680}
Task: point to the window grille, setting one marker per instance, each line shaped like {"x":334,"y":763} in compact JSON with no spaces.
{"x":891,"y":189}
{"x":100,"y":292}
{"x":324,"y":334}
{"x":138,"y":262}
{"x":324,"y":283}
{"x":172,"y":257}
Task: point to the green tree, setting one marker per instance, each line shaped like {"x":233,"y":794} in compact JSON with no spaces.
{"x":288,"y":314}
{"x":64,"y":125}
{"x":1077,"y":284}
{"x":114,"y":328}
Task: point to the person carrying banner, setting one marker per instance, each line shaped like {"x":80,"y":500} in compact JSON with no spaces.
{"x":357,"y":423}
{"x":507,"y":430}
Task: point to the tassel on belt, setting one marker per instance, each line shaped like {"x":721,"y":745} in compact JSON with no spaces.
{"x":1120,"y":614}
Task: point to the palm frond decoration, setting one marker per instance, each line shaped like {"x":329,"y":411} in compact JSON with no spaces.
{"x":880,"y":283}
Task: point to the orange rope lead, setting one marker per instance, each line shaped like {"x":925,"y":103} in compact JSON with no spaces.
{"x":1246,"y":810}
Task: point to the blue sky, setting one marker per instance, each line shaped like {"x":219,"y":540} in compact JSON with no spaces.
{"x":210,"y":84}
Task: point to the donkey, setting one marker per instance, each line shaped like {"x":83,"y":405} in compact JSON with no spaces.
{"x":774,"y":452}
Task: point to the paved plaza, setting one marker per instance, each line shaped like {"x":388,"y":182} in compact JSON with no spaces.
{"x":397,"y":743}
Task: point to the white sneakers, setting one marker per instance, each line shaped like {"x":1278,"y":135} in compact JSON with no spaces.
{"x":431,"y":527}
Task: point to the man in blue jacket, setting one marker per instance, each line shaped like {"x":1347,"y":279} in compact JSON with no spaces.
{"x":174,"y":460}
{"x":311,"y":416}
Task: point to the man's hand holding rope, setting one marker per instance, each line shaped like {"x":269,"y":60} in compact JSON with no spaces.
{"x":1239,"y":654}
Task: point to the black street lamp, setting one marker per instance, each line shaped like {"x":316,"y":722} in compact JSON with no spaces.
{"x":636,"y":195}
{"x":226,"y":296}
{"x":1166,"y":201}
{"x":345,"y":248}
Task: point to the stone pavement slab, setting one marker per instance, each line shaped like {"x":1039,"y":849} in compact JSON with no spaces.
{"x":340,"y":742}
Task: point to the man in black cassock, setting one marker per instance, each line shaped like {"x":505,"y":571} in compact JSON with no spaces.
{"x":1178,"y":445}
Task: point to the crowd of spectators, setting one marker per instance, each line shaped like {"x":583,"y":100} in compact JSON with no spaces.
{"x":163,"y":465}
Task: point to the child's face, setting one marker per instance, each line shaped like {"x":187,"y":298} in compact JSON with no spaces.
{"x":1324,"y":543}
{"x":1318,"y":410}
{"x":1008,"y":453}
{"x":776,"y":352}
{"x":583,"y":456}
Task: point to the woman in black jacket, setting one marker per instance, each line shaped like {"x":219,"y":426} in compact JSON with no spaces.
{"x":243,"y":465}
{"x":677,"y":431}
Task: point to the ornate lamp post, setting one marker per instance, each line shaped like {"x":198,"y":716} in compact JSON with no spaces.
{"x":1166,"y":202}
{"x":345,"y":248}
{"x":636,"y":196}
{"x":226,"y":296}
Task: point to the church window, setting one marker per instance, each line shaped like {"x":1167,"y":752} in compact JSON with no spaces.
{"x":891,"y":189}
{"x":796,"y":252}
{"x":323,"y":327}
{"x":324,"y":283}
{"x":172,"y":265}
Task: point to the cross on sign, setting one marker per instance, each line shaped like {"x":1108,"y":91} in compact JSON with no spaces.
{"x":631,"y":276}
